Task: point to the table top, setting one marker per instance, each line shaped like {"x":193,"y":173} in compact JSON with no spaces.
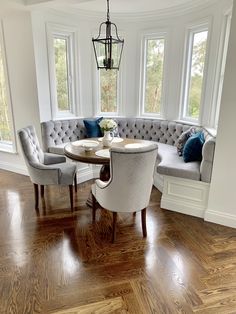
{"x":78,"y":153}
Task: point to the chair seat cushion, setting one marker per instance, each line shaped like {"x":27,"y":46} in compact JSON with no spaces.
{"x":170,"y":164}
{"x":67,"y":171}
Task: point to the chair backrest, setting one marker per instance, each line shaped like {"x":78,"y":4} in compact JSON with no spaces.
{"x":132,"y":177}
{"x":30,"y":145}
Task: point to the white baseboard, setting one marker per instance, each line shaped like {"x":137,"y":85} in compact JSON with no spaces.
{"x":96,"y":171}
{"x":183,"y":208}
{"x":17,"y":168}
{"x":185,"y":196}
{"x":220,"y":218}
{"x":84,"y":174}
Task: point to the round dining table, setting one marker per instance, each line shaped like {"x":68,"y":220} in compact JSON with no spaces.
{"x":77,"y":152}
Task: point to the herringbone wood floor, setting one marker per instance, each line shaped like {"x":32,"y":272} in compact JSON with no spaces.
{"x":60,"y":262}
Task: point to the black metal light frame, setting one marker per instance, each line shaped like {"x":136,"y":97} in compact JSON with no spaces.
{"x":108,"y":44}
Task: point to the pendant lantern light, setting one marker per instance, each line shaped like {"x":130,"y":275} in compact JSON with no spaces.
{"x":108,"y":46}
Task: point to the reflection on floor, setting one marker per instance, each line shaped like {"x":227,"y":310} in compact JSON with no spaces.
{"x":59,"y":262}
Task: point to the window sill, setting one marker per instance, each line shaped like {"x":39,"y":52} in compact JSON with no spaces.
{"x":188,"y":122}
{"x":211,"y":131}
{"x":151,"y":116}
{"x":6,"y":148}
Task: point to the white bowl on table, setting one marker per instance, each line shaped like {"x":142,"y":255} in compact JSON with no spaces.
{"x":89,"y":145}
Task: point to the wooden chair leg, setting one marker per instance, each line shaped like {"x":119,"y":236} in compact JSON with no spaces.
{"x":114,"y":227}
{"x":93,"y":207}
{"x":75,"y":182}
{"x":42,"y":191}
{"x":134,"y":214}
{"x":144,"y":227}
{"x":71,"y":197}
{"x":36,"y":195}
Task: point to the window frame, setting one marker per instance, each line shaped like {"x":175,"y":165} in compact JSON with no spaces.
{"x":145,"y":37}
{"x":70,"y":35}
{"x":220,"y":71}
{"x":99,"y":112}
{"x":186,"y":71}
{"x":96,"y":85}
{"x":4,"y":147}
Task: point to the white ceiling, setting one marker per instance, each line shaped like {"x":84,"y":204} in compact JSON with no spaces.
{"x":120,"y":8}
{"x":116,"y":6}
{"x":132,"y":6}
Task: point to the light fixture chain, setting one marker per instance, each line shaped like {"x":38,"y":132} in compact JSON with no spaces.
{"x":108,"y":11}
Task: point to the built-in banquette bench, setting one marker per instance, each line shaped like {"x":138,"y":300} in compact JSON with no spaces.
{"x":184,"y":186}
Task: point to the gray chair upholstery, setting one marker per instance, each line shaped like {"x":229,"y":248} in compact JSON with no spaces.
{"x":45,"y":168}
{"x":130,"y":185}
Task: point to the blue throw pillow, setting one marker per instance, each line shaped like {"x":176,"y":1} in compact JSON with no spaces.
{"x":193,"y":147}
{"x":92,"y":127}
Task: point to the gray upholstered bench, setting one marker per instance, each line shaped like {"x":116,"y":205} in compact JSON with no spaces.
{"x":184,"y":185}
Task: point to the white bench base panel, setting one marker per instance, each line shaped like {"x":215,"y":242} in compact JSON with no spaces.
{"x":182,"y":195}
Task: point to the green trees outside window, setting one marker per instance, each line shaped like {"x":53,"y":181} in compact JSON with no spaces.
{"x":5,"y":126}
{"x":196,"y":69}
{"x":108,"y":90}
{"x":61,"y":69}
{"x":154,"y":75}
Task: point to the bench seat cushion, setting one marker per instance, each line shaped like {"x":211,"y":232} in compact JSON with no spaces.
{"x":57,"y":149}
{"x":170,"y":164}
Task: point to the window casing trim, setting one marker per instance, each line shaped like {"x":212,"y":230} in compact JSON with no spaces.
{"x":220,"y":69}
{"x":191,"y":30}
{"x":145,"y":36}
{"x":6,"y":147}
{"x":69,"y":34}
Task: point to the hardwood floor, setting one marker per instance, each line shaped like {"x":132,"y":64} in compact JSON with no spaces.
{"x":55,"y":261}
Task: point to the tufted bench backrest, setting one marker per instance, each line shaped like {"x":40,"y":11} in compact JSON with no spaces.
{"x":63,"y":131}
{"x":162,"y":131}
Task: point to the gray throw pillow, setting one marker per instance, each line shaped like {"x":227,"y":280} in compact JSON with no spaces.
{"x":183,"y":139}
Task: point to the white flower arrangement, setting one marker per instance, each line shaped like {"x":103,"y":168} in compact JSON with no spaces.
{"x":108,"y":124}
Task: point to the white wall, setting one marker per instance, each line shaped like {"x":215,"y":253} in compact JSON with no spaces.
{"x":222,"y":199}
{"x":17,"y":30}
{"x":176,"y":30}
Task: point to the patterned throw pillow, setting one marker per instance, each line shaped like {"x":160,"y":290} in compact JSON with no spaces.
{"x":193,"y":147}
{"x":183,"y":139}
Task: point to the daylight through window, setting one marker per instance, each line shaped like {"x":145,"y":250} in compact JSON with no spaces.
{"x":153,"y":78}
{"x":61,"y":69}
{"x":194,"y":75}
{"x":108,"y":90}
{"x":5,"y":123}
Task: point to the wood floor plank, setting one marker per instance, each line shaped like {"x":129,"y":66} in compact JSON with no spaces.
{"x":109,"y":306}
{"x":55,"y":261}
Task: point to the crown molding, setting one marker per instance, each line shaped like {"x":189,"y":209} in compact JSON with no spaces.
{"x":160,"y":14}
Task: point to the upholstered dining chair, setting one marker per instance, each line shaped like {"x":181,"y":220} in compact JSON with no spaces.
{"x":130,"y":185}
{"x":45,"y":168}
